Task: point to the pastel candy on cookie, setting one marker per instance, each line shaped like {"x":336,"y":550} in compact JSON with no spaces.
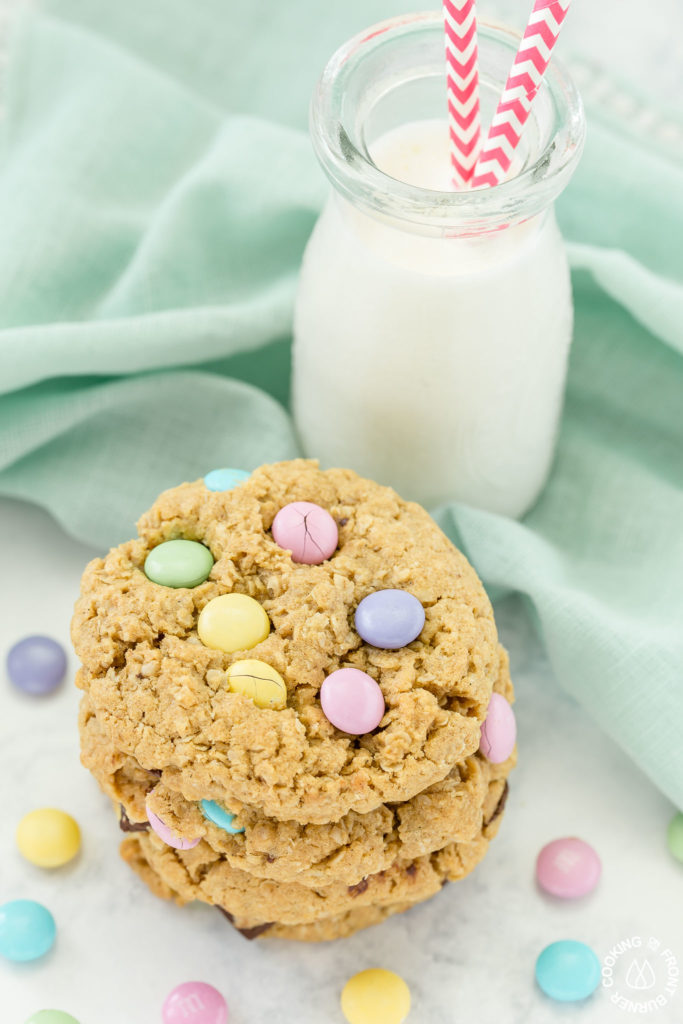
{"x":260,"y":681}
{"x":36,"y":665}
{"x":225,"y":479}
{"x":232,"y":622}
{"x":568,"y":868}
{"x":179,"y":563}
{"x":167,"y":835}
{"x":194,"y":1002}
{"x":27,"y":930}
{"x":568,"y":971}
{"x":48,"y":837}
{"x":352,"y":701}
{"x":217,"y":814}
{"x":389,"y":619}
{"x":307,"y":530}
{"x":499,"y":730}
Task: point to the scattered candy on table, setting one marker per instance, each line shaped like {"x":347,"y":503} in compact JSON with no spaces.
{"x":352,"y":701}
{"x":674,"y":836}
{"x":48,"y":837}
{"x":260,"y":681}
{"x":216,"y":813}
{"x":51,"y":1017}
{"x":499,"y":730}
{"x":225,"y":479}
{"x":568,"y":868}
{"x":389,"y":619}
{"x":194,"y":1002}
{"x":27,"y":930}
{"x":167,"y":835}
{"x":568,"y":971}
{"x":375,"y":996}
{"x":178,"y":563}
{"x":36,"y":665}
{"x":232,"y":622}
{"x":307,"y":530}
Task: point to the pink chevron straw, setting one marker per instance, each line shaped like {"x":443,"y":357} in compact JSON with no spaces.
{"x":462,"y":81}
{"x":523,"y":83}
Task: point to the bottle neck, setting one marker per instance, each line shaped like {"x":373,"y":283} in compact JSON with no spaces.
{"x":392,"y":241}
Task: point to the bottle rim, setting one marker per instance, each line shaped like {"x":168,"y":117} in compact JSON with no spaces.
{"x":345,"y":159}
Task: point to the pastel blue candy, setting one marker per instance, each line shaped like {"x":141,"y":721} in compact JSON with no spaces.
{"x":225,"y":479}
{"x":389,"y":619}
{"x":36,"y":665}
{"x":568,"y":971}
{"x":27,"y":930}
{"x":220,"y":817}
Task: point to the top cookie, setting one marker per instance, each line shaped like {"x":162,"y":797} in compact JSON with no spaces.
{"x":164,"y":695}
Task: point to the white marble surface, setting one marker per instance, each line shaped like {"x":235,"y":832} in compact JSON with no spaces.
{"x":468,"y":955}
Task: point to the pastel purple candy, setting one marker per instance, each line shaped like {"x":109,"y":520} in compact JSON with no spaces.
{"x":36,"y":665}
{"x":194,"y":1002}
{"x":307,"y":530}
{"x":168,"y":836}
{"x":568,"y":868}
{"x":389,"y":619}
{"x":499,"y":730}
{"x":352,"y":701}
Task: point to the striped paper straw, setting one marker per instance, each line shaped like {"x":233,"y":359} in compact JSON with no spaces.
{"x":462,"y":80}
{"x":525,"y":77}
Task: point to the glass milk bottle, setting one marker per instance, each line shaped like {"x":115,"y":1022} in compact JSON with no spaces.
{"x":432,"y":327}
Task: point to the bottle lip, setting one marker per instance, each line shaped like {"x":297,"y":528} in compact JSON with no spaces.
{"x":349,"y":167}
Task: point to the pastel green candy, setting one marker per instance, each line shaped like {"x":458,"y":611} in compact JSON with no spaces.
{"x":220,"y":817}
{"x":675,"y":836}
{"x":51,"y":1017}
{"x":225,"y":479}
{"x":178,"y":563}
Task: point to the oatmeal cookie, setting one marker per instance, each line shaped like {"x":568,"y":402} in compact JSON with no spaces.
{"x":357,"y":845}
{"x":205,"y":644}
{"x":162,"y":694}
{"x":177,"y":875}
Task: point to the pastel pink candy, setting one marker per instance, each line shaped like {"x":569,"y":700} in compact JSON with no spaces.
{"x":194,"y":1002}
{"x":568,"y":868}
{"x":307,"y":530}
{"x":170,"y":837}
{"x":499,"y":731}
{"x":352,"y":701}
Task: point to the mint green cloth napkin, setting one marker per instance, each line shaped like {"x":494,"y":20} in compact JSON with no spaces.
{"x":156,"y":192}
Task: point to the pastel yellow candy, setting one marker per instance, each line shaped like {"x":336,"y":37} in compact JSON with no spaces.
{"x":261,"y":682}
{"x":375,"y":996}
{"x":48,"y":837}
{"x":233,"y":622}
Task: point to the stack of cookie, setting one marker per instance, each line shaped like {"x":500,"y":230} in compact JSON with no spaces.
{"x":229,"y":733}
